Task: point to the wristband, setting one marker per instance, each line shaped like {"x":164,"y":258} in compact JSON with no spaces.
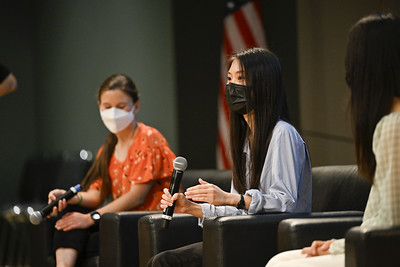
{"x":240,"y":204}
{"x":80,"y":199}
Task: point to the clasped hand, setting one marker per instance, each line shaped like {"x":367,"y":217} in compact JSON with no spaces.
{"x":71,"y":220}
{"x":317,"y":248}
{"x":62,"y":204}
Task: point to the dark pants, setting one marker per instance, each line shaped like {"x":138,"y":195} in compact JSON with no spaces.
{"x":187,"y":256}
{"x":85,"y":241}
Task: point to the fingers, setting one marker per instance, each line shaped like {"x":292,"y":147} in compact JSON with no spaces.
{"x":198,"y":196}
{"x":317,"y":248}
{"x":306,"y":250}
{"x":167,"y":195}
{"x":53,"y":212}
{"x":51,"y":197}
{"x":314,"y":247}
{"x":202,"y":185}
{"x":53,"y":194}
{"x":203,"y":192}
{"x":167,"y":200}
{"x":198,"y":189}
{"x":61,"y":223}
{"x":201,"y":181}
{"x":60,"y":205}
{"x":72,"y":220}
{"x":64,"y":224}
{"x":166,"y":192}
{"x":325,"y":246}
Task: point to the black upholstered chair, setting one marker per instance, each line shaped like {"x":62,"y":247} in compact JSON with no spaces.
{"x":118,"y":231}
{"x":251,"y":240}
{"x":118,"y":235}
{"x":296,"y":233}
{"x":364,"y":247}
{"x":372,"y":247}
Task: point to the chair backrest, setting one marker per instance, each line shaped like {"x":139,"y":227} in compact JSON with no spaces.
{"x":72,"y":169}
{"x":338,"y":188}
{"x":44,"y":172}
{"x":221,"y":178}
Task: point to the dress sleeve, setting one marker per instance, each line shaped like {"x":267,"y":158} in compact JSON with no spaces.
{"x":96,"y":185}
{"x":285,"y":176}
{"x":337,"y":246}
{"x":210,"y":210}
{"x":389,"y":158}
{"x":154,"y":162}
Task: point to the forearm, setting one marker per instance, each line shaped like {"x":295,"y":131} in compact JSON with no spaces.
{"x":272,"y":202}
{"x":90,"y":199}
{"x":226,"y":208}
{"x":194,"y":209}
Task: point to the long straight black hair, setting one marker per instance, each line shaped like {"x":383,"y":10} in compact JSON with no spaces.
{"x":99,"y":168}
{"x":267,"y":96}
{"x":373,"y":75}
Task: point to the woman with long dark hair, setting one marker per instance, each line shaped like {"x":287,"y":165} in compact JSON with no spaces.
{"x":132,"y":167}
{"x":373,"y":75}
{"x":272,"y":170}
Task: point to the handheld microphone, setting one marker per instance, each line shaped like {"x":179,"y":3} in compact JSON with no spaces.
{"x":36,"y":217}
{"x":180,"y":165}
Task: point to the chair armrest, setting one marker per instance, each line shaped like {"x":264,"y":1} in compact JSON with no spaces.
{"x":299,"y":233}
{"x":119,"y":238}
{"x":183,"y":230}
{"x":254,"y":235}
{"x":369,"y":247}
{"x":251,"y":238}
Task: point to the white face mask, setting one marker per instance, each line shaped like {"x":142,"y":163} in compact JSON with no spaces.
{"x":116,"y":119}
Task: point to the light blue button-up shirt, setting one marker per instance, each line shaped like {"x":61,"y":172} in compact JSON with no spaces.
{"x":285,"y":183}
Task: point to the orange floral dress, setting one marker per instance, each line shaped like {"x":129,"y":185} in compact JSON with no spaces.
{"x":149,"y":159}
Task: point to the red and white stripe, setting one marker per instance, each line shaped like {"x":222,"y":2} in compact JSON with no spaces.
{"x":242,"y":29}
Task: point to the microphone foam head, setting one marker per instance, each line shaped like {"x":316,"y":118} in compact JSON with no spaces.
{"x":180,"y":164}
{"x":35,"y":218}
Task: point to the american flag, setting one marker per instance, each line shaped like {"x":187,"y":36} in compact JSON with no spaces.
{"x":243,"y":28}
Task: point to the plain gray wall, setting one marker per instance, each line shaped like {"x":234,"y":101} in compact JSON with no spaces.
{"x":60,"y":52}
{"x":323,"y":28}
{"x":17,"y":110}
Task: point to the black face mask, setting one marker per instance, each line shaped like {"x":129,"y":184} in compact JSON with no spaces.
{"x":235,"y":95}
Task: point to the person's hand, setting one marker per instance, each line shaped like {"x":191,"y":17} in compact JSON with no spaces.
{"x":181,"y":204}
{"x":317,"y":248}
{"x":206,"y":192}
{"x":62,"y":204}
{"x":74,"y":220}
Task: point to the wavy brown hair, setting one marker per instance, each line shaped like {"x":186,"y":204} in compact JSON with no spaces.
{"x":100,"y":166}
{"x":267,"y":96}
{"x":373,"y":75}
